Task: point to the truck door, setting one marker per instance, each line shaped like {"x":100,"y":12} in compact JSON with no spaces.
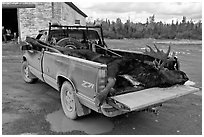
{"x":50,"y":68}
{"x":34,"y":59}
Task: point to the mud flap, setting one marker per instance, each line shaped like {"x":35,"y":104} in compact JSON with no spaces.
{"x":31,"y":75}
{"x":148,"y":97}
{"x":81,"y":109}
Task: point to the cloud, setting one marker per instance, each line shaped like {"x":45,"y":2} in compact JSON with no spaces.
{"x":120,"y":7}
{"x":180,"y":9}
{"x":142,"y":10}
{"x":155,"y":7}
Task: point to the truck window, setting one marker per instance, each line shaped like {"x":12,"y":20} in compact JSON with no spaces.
{"x":93,"y":36}
{"x":43,"y":38}
{"x":76,"y":34}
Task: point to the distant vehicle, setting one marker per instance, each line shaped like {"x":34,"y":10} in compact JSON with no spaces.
{"x":75,"y":60}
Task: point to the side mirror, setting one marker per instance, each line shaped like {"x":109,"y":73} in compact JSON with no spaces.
{"x":26,"y":47}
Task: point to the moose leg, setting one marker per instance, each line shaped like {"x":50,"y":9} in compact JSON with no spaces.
{"x":100,"y":97}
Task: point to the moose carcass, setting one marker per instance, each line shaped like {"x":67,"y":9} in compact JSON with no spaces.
{"x":141,"y":74}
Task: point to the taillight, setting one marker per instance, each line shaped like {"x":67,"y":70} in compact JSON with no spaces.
{"x":101,"y":79}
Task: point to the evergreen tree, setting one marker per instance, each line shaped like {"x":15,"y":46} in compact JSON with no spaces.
{"x":186,"y":29}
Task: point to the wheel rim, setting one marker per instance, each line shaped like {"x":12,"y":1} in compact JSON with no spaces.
{"x":69,"y":100}
{"x":70,"y":46}
{"x":26,"y":72}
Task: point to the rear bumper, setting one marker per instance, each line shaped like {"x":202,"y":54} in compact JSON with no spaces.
{"x":110,"y":111}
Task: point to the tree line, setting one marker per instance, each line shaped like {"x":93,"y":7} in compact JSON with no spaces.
{"x":151,"y":29}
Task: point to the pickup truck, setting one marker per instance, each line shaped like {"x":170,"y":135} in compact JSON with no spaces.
{"x":55,"y":57}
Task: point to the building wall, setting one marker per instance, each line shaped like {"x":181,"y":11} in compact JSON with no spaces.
{"x":34,"y":19}
{"x":57,"y":11}
{"x":31,"y":20}
{"x":69,"y":16}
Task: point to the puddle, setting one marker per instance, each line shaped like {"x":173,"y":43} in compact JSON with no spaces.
{"x":29,"y":134}
{"x":7,"y":117}
{"x":91,"y":124}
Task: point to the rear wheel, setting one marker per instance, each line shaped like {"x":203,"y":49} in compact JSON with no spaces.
{"x":68,"y":100}
{"x":28,"y":77}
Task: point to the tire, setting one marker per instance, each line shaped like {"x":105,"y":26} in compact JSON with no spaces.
{"x":70,"y":47}
{"x":68,"y":100}
{"x":28,"y":77}
{"x":70,"y":43}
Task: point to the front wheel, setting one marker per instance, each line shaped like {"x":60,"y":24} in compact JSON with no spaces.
{"x":68,"y":100}
{"x":28,"y":77}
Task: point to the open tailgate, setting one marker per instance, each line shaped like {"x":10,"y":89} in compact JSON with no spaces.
{"x":144,"y":98}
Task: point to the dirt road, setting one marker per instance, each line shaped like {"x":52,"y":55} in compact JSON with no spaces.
{"x":36,"y":109}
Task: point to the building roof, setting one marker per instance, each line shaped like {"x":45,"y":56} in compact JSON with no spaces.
{"x":18,"y":5}
{"x":76,"y":8}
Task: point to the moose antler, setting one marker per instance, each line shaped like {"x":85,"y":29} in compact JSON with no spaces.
{"x":158,"y":54}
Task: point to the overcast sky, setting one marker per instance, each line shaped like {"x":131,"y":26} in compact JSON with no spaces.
{"x":140,"y":11}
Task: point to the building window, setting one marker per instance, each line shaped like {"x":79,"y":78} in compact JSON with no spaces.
{"x":77,"y":21}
